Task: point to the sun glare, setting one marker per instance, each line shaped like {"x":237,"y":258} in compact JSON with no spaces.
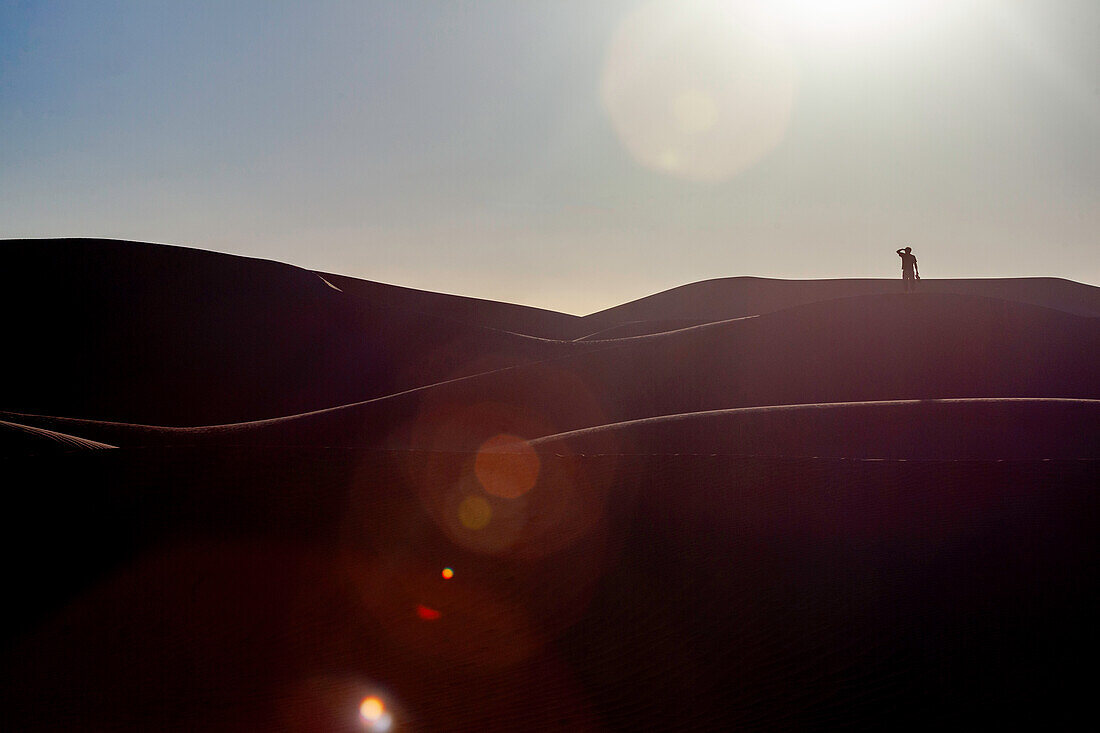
{"x":704,"y":89}
{"x":697,"y":89}
{"x":846,"y":19}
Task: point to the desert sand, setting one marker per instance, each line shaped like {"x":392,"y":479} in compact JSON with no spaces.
{"x":234,"y":486}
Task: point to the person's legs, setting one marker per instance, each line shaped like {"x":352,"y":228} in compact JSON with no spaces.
{"x":907,"y":280}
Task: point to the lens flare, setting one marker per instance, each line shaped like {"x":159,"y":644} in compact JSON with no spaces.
{"x":373,"y":712}
{"x":695,"y":111}
{"x":371,"y":709}
{"x":698,"y":89}
{"x":332,"y":702}
{"x":474,"y":512}
{"x":507,"y":466}
{"x":847,"y":20}
{"x":448,"y":573}
{"x":428,"y":614}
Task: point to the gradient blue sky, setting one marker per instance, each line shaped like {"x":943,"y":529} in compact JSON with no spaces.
{"x":492,"y":149}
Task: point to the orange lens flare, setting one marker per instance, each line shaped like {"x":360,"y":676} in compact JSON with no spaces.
{"x":448,"y":573}
{"x":507,"y":466}
{"x":371,"y":709}
{"x":428,"y":614}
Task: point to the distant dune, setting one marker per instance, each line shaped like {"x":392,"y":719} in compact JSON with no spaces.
{"x":152,"y":333}
{"x":738,"y":504}
{"x":713,"y":300}
{"x":174,"y":336}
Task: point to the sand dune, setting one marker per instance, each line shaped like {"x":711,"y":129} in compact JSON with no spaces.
{"x":740,"y":504}
{"x":875,"y":348}
{"x":712,"y":300}
{"x":169,"y":335}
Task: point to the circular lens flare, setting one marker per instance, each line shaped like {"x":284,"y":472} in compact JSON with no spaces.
{"x":448,"y":573}
{"x":507,"y":466}
{"x":698,"y":89}
{"x":474,"y":512}
{"x":371,"y":709}
{"x":373,"y":712}
{"x":695,"y":111}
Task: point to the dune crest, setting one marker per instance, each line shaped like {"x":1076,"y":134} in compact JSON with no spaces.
{"x":18,"y":439}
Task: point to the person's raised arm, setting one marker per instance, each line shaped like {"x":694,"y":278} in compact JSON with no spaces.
{"x":899,"y":253}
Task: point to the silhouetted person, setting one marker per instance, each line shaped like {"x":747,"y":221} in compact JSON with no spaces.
{"x":909,"y":272}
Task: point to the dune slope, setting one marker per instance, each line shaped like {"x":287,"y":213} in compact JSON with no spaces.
{"x":476,"y":311}
{"x":875,"y":348}
{"x":151,"y":333}
{"x":228,"y":589}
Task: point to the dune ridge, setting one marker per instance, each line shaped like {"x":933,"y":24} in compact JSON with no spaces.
{"x":20,"y":439}
{"x":987,"y":428}
{"x":234,"y":339}
{"x":498,"y":315}
{"x":723,"y":298}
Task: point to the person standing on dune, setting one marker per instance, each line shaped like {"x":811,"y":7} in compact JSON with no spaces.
{"x":909,"y":272}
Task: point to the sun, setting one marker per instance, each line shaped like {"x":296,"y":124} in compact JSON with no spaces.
{"x":846,"y":18}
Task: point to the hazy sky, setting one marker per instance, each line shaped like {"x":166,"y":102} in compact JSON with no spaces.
{"x":571,"y":154}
